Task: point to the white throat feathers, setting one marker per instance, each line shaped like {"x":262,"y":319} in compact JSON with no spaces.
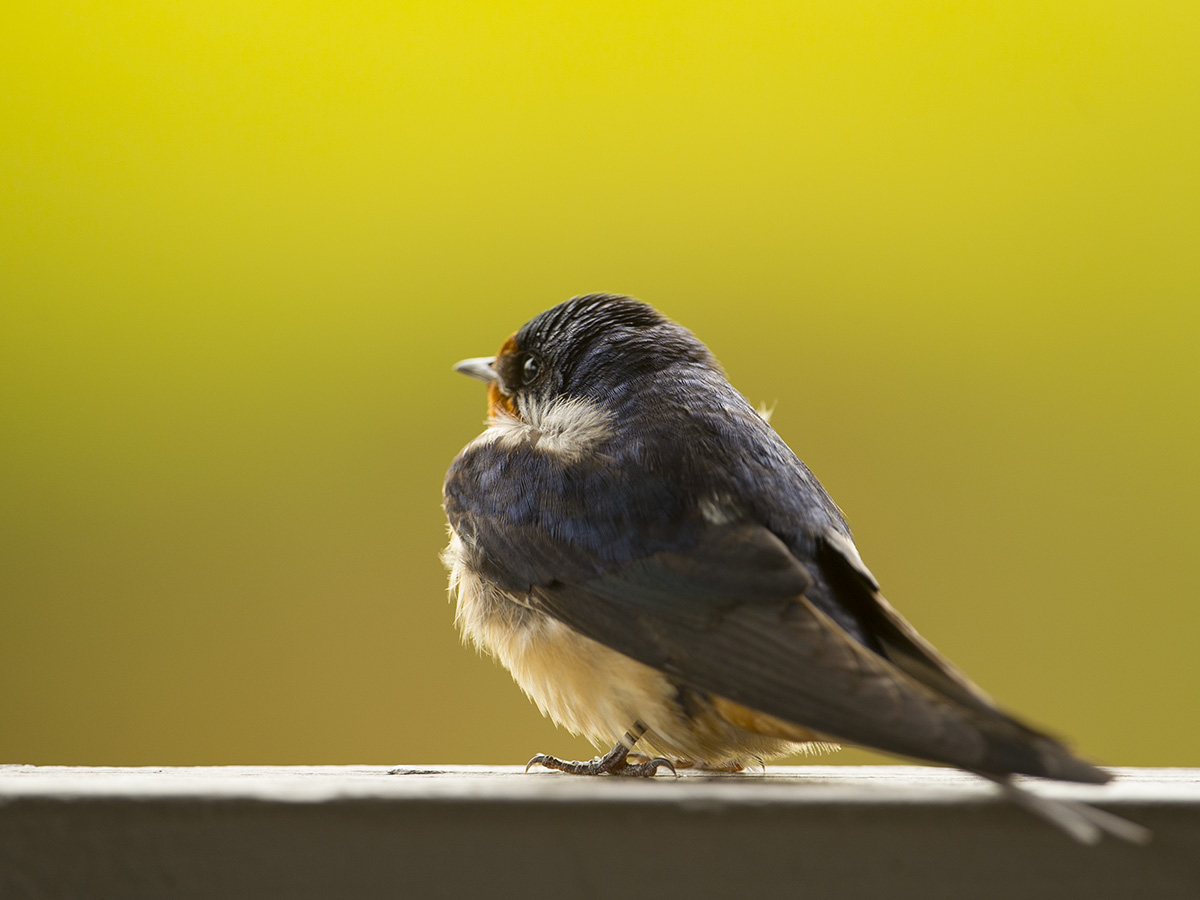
{"x":569,"y":427}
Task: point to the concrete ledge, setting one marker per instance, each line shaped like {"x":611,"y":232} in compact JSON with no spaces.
{"x":464,"y":831}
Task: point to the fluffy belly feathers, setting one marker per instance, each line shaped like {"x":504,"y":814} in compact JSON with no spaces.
{"x":599,"y":693}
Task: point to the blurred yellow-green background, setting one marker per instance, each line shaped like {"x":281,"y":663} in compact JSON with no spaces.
{"x":242,"y":243}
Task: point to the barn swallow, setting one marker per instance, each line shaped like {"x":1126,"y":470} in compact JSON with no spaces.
{"x":656,"y":567}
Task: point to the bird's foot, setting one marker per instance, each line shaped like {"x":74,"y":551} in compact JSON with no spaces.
{"x":614,"y":762}
{"x":697,"y":765}
{"x":648,"y":768}
{"x":609,"y":764}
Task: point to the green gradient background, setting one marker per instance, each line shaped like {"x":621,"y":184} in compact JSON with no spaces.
{"x":242,"y":243}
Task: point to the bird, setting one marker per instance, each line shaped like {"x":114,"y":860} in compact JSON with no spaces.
{"x":658,"y":570}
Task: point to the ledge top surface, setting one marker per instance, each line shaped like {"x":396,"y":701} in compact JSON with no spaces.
{"x":787,"y":785}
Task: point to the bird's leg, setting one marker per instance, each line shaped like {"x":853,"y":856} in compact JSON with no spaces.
{"x":614,"y":762}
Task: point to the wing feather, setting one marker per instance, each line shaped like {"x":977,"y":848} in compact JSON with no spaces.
{"x":729,"y":616}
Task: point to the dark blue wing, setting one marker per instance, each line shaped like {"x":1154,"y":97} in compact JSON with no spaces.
{"x":767,"y":611}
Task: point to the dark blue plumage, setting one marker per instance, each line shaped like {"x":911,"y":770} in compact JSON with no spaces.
{"x":639,"y":490}
{"x":627,"y":507}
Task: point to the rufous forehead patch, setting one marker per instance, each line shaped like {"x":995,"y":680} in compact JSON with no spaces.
{"x":497,"y":399}
{"x":509,"y":346}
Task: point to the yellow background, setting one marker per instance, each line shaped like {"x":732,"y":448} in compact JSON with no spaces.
{"x":242,"y":243}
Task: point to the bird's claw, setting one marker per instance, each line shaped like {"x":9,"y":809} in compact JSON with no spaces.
{"x":603,"y":765}
{"x":614,"y":762}
{"x":542,"y":759}
{"x":647,"y":769}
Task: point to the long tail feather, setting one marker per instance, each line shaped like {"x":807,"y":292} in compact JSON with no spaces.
{"x":1084,"y":823}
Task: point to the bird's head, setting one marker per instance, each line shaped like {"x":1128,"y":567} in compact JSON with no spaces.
{"x":597,"y":348}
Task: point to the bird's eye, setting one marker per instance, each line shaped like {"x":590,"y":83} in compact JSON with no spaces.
{"x":531,"y":369}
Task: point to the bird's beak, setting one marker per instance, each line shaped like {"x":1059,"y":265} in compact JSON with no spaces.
{"x":479,"y":367}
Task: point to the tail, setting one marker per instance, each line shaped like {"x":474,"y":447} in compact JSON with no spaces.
{"x":1084,"y":823}
{"x":1013,"y":748}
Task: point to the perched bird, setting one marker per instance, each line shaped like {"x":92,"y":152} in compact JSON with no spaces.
{"x":655,"y":567}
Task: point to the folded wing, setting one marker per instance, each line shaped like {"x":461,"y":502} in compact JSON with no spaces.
{"x":730,"y":616}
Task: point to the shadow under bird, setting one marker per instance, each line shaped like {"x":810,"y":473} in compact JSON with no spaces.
{"x":656,"y":567}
